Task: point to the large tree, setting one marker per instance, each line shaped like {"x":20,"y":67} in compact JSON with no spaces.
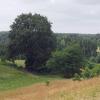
{"x":67,"y":61}
{"x":31,"y":36}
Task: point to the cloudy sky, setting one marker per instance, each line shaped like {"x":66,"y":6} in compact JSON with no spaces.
{"x":70,"y":16}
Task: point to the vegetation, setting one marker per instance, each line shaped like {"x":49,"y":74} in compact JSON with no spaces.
{"x":57,"y":90}
{"x":77,"y":90}
{"x":68,"y":61}
{"x":91,"y":72}
{"x":32,"y":37}
{"x":64,"y":41}
{"x":11,"y":78}
{"x":31,"y":53}
{"x":31,"y":46}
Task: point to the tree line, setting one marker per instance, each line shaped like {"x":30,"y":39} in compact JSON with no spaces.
{"x":31,"y":38}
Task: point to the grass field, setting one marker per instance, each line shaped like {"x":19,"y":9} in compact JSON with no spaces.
{"x":11,"y":78}
{"x":21,"y":85}
{"x":84,"y":90}
{"x":57,"y":90}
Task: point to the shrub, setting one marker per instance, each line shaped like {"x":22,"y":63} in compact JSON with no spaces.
{"x":96,"y":70}
{"x":90,"y":64}
{"x":87,"y":73}
{"x":93,"y":59}
{"x":98,"y":58}
{"x":47,"y":83}
{"x":3,"y":59}
{"x":67,"y":61}
{"x":91,"y":72}
{"x":56,"y":62}
{"x":77,"y":77}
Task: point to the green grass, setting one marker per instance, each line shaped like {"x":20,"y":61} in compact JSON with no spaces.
{"x":11,"y":78}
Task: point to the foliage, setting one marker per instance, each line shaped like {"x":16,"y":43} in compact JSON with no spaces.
{"x":98,"y":58}
{"x":90,"y":72}
{"x":3,"y":44}
{"x":11,"y":78}
{"x":25,"y":38}
{"x":67,"y":61}
{"x":90,"y":64}
{"x":88,"y":42}
{"x":96,"y":70}
{"x":55,"y":63}
{"x":87,"y":73}
{"x":47,"y":83}
{"x":93,"y":59}
{"x":31,"y":36}
{"x":77,"y":77}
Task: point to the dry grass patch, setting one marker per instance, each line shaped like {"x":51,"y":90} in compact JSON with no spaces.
{"x":57,"y":90}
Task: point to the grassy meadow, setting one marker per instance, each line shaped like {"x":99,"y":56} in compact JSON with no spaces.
{"x":11,"y":78}
{"x":83,"y":90}
{"x":19,"y":84}
{"x":57,"y":90}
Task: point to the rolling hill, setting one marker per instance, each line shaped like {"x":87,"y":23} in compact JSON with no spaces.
{"x":11,"y":78}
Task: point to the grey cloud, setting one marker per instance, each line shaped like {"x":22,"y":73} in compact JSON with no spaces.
{"x":33,"y":1}
{"x":66,"y":15}
{"x":89,"y":2}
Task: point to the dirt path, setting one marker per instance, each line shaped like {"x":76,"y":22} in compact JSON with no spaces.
{"x":43,"y":92}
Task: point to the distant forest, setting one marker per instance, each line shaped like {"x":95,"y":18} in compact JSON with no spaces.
{"x":88,"y":42}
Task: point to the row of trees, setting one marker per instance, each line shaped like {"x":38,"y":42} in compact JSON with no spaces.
{"x":88,"y":43}
{"x":32,"y":37}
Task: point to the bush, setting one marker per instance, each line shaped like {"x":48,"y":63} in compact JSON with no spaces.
{"x":98,"y":58}
{"x":93,"y":59}
{"x":86,"y":73}
{"x":89,"y":64}
{"x":91,"y":72}
{"x":56,"y":62}
{"x":77,"y":77}
{"x":3,"y":59}
{"x":96,"y":70}
{"x":68,"y":61}
{"x":47,"y":83}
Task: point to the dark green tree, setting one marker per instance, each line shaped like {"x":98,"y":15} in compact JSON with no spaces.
{"x":67,"y":61}
{"x":31,"y":36}
{"x":73,"y":59}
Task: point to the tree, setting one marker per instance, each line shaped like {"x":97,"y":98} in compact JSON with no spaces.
{"x":88,"y":43}
{"x":68,"y":61}
{"x":73,"y":59}
{"x":31,"y":36}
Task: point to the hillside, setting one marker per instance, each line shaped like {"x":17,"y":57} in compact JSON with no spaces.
{"x":23,"y":86}
{"x":11,"y":78}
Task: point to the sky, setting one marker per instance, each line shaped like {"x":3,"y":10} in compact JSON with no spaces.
{"x":67,"y":16}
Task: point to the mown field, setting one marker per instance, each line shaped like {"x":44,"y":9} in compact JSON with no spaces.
{"x":21,"y":85}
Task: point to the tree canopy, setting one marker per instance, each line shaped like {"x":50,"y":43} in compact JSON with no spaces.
{"x":67,"y":61}
{"x":31,"y":36}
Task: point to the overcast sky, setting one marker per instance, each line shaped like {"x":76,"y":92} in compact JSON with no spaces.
{"x":70,"y":16}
